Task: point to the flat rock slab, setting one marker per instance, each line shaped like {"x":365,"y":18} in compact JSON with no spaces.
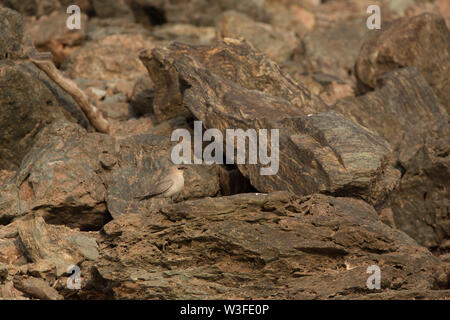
{"x":266,"y":246}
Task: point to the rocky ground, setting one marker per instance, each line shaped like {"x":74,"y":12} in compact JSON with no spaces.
{"x":364,"y":150}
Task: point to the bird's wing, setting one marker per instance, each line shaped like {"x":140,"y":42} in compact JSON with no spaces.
{"x":159,"y":188}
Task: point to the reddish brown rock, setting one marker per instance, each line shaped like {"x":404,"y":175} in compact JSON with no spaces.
{"x":115,"y":56}
{"x":50,"y":33}
{"x":276,"y":45}
{"x":402,"y":101}
{"x":36,"y":288}
{"x":421,"y":41}
{"x":316,"y":247}
{"x":318,"y":152}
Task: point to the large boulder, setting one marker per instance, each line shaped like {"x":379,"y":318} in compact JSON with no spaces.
{"x":401,"y":102}
{"x":277,"y":45}
{"x":422,"y":41}
{"x":259,"y":246}
{"x":230,"y":87}
{"x":26,"y":106}
{"x":196,"y":12}
{"x":404,"y":110}
{"x":81,"y":179}
{"x":11,"y":34}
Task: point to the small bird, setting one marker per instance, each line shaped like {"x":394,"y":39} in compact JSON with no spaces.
{"x":169,"y":186}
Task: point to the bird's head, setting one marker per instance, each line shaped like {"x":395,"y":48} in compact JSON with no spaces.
{"x":178,"y":169}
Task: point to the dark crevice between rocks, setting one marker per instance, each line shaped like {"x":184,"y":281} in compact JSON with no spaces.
{"x":401,"y":168}
{"x":5,"y":220}
{"x":329,"y":252}
{"x":148,"y":15}
{"x":156,"y":15}
{"x":233,"y":182}
{"x":82,"y":217}
{"x":347,"y":192}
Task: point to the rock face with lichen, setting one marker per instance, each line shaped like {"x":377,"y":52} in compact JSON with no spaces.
{"x":361,"y":177}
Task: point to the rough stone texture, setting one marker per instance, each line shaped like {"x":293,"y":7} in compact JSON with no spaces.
{"x":27,"y":105}
{"x":142,"y":96}
{"x":276,"y":45}
{"x":37,"y":288}
{"x":402,"y":101}
{"x":78,"y":179}
{"x":115,"y":56}
{"x":143,"y":159}
{"x":259,"y":246}
{"x":32,"y":7}
{"x":52,"y":249}
{"x":59,"y":178}
{"x":332,"y":50}
{"x":197,"y":12}
{"x":404,"y":109}
{"x":421,"y":204}
{"x":11,"y":34}
{"x":322,"y":152}
{"x":232,"y":60}
{"x":422,"y":41}
{"x":72,"y":199}
{"x":107,"y":8}
{"x":184,"y":33}
{"x":50,"y":33}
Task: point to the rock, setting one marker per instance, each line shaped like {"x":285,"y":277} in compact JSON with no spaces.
{"x":421,"y":41}
{"x":60,"y":178}
{"x":420,"y":203}
{"x":116,"y":110}
{"x":80,"y":179}
{"x":402,"y":101}
{"x":185,"y":33}
{"x":100,"y":28}
{"x":143,"y":159}
{"x":10,"y":253}
{"x":3,"y":272}
{"x":231,"y":59}
{"x":142,"y":97}
{"x":318,"y":152}
{"x":37,"y":288}
{"x":107,"y":9}
{"x":277,"y":46}
{"x":332,"y":50}
{"x":404,"y":110}
{"x":50,"y":33}
{"x":114,"y":57}
{"x":27,"y":106}
{"x":34,"y":7}
{"x":336,"y":91}
{"x":316,"y":247}
{"x":53,"y":249}
{"x":196,"y":12}
{"x":11,"y":34}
